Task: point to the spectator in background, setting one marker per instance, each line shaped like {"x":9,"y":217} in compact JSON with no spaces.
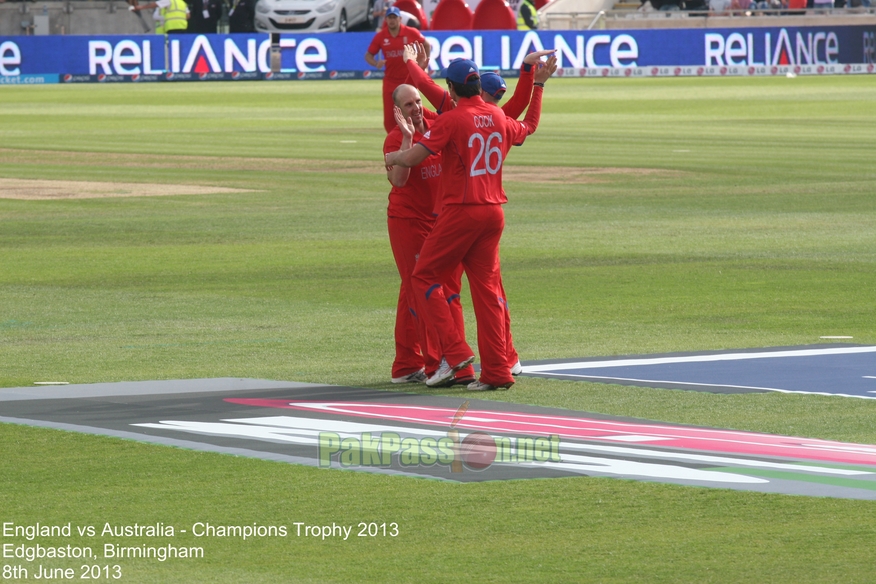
{"x":241,"y":17}
{"x":660,"y":5}
{"x":379,"y":12}
{"x":740,"y":7}
{"x":719,"y":7}
{"x":527,"y":16}
{"x":769,"y":7}
{"x":174,"y":12}
{"x":158,"y":19}
{"x":205,"y":16}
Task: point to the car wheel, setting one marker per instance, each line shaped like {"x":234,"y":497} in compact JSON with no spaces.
{"x":342,"y":21}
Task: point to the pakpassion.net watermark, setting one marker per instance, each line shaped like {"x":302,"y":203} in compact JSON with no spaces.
{"x":477,"y":451}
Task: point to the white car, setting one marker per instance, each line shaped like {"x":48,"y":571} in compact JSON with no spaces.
{"x":312,"y":15}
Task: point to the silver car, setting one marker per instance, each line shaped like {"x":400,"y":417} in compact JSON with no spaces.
{"x":312,"y":15}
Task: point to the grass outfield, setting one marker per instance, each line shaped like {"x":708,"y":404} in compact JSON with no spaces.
{"x":645,"y":216}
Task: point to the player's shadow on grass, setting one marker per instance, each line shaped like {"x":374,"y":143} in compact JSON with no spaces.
{"x":422,"y":388}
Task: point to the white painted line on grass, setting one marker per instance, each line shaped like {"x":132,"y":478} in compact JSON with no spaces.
{"x":673,"y":382}
{"x":667,"y":381}
{"x":712,"y":459}
{"x":558,"y":368}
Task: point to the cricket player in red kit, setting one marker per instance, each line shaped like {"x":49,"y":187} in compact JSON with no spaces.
{"x":474,"y":139}
{"x":492,"y":91}
{"x":391,"y":40}
{"x":410,"y":218}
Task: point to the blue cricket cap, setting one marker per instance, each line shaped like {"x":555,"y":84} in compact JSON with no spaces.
{"x":462,"y":71}
{"x":493,"y":84}
{"x":393,"y":11}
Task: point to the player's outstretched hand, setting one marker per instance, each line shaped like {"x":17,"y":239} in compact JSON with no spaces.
{"x":409,"y":53}
{"x":545,"y":70}
{"x":533,"y":58}
{"x":422,"y":56}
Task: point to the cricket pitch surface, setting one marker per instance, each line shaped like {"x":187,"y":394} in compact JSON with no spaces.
{"x":836,"y":369}
{"x":437,"y":437}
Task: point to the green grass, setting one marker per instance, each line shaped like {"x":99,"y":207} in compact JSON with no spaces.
{"x":734,"y":213}
{"x":573,"y":530}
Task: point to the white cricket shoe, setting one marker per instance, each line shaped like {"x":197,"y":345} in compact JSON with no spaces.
{"x":480,"y":386}
{"x":445,"y":372}
{"x":415,"y":377}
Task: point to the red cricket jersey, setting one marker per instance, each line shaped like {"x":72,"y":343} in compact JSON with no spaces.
{"x":474,"y":139}
{"x":417,"y":199}
{"x":393,"y":47}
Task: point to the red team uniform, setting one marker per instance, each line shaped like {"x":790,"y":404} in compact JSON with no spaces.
{"x":513,"y":108}
{"x":395,"y":71}
{"x":410,"y":218}
{"x":474,"y":139}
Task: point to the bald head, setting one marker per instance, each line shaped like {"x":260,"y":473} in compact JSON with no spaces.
{"x":404,"y":92}
{"x":407,"y":98}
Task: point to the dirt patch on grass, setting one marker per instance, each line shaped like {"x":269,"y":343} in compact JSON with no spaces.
{"x":37,"y":190}
{"x":231,"y":163}
{"x":577,"y":175}
{"x":526,"y":174}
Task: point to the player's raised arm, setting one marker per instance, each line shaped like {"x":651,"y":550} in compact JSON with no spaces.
{"x":533,"y":114}
{"x":523,"y":91}
{"x":423,"y":55}
{"x":439,"y":98}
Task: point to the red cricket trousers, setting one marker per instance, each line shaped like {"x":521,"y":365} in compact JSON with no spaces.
{"x":416,"y":345}
{"x":413,"y":348}
{"x":467,"y":234}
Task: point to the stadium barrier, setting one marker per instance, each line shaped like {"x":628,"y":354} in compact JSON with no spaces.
{"x":816,"y":50}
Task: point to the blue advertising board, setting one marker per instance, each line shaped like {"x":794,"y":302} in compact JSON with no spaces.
{"x":24,"y":59}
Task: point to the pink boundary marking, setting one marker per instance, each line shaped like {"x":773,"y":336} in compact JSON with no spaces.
{"x":659,"y":435}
